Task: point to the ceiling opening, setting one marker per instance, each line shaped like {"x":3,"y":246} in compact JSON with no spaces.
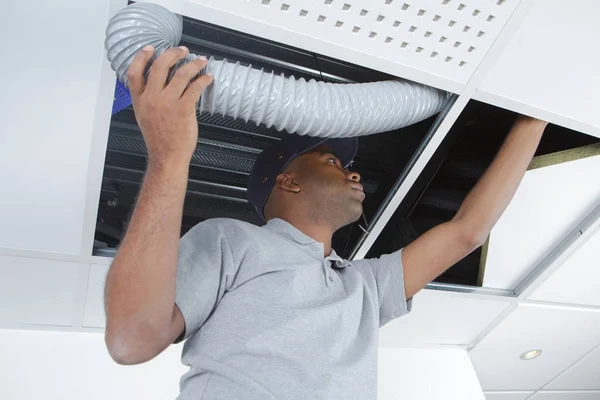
{"x":227,"y":149}
{"x":457,"y":165}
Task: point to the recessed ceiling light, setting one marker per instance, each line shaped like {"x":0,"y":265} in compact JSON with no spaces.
{"x":531,"y":354}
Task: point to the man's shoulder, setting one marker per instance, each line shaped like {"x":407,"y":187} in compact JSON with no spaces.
{"x":215,"y":233}
{"x":229,"y":223}
{"x":225,"y":226}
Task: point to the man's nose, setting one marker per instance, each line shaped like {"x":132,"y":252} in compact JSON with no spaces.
{"x":355,"y":176}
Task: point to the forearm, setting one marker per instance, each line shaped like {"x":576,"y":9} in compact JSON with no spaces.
{"x":140,"y":286}
{"x":489,"y":198}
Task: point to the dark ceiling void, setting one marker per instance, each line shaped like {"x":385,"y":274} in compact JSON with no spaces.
{"x":454,"y":169}
{"x":227,"y":148}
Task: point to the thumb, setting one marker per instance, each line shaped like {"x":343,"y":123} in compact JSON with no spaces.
{"x":196,"y":88}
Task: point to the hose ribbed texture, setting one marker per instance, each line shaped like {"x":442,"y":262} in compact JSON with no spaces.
{"x":307,"y":108}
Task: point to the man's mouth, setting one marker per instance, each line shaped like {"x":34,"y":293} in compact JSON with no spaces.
{"x":358,"y":186}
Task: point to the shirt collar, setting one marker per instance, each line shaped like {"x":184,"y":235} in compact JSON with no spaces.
{"x":290,"y":232}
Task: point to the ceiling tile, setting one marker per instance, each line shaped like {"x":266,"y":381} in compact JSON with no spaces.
{"x":585,"y":374}
{"x":73,"y":366}
{"x":442,"y":318}
{"x":554,"y":40}
{"x":564,"y":334}
{"x":46,"y":153}
{"x":434,"y":42}
{"x":576,"y":281}
{"x":574,"y":395}
{"x":426,"y":374}
{"x":94,"y":304}
{"x":549,"y":204}
{"x":507,"y":395}
{"x":39,"y":291}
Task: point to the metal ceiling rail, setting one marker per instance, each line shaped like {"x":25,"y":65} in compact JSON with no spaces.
{"x":561,"y":253}
{"x":387,"y":208}
{"x":556,"y":258}
{"x":451,"y":287}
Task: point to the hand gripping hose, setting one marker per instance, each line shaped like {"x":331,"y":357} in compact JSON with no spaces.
{"x":307,"y":108}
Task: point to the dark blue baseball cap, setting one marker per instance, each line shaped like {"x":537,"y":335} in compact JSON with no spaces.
{"x":273,"y":161}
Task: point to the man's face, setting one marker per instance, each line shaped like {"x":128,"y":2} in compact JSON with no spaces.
{"x":333,"y":193}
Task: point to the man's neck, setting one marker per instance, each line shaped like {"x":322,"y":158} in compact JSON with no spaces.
{"x":318,"y":232}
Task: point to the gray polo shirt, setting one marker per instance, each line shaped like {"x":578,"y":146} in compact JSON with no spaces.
{"x":268,"y":317}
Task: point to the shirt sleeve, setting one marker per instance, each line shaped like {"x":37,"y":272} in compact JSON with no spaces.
{"x":387,"y":273}
{"x":205,"y":270}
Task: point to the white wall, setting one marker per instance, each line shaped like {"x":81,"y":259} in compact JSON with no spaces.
{"x":73,"y":366}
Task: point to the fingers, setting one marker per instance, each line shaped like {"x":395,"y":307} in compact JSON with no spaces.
{"x":185,"y":74}
{"x":135,"y":72}
{"x":196,"y":88}
{"x":181,"y":84}
{"x":161,"y":66}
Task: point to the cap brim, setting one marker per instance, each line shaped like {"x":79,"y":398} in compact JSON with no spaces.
{"x":344,"y":148}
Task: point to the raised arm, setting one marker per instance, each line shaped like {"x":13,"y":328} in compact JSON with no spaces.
{"x":441,"y":247}
{"x":142,"y":319}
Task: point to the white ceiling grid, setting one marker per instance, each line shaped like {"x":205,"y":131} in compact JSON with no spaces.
{"x":558,"y":312}
{"x":94,"y":315}
{"x":507,"y":395}
{"x":576,"y":281}
{"x":497,"y":356}
{"x":440,"y":317}
{"x":584,"y":375}
{"x":566,"y":395}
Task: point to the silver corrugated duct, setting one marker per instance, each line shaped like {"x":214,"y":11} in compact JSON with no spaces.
{"x":307,"y":108}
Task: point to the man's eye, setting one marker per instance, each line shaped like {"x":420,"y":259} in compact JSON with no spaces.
{"x":331,"y":160}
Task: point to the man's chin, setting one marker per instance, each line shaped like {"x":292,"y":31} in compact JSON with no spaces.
{"x":354,"y":213}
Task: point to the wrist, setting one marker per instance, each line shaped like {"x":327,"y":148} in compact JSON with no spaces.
{"x":168,"y":167}
{"x":534,"y":123}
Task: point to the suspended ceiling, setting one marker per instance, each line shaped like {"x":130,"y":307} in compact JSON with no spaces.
{"x":533,"y":58}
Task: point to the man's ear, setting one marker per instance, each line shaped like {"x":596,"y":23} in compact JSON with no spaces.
{"x":286,"y":182}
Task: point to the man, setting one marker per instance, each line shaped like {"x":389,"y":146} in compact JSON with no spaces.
{"x":272,"y":312}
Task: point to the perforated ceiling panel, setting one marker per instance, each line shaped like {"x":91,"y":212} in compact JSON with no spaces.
{"x":444,"y":38}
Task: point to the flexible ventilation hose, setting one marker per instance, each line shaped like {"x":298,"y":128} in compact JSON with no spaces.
{"x":307,"y":108}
